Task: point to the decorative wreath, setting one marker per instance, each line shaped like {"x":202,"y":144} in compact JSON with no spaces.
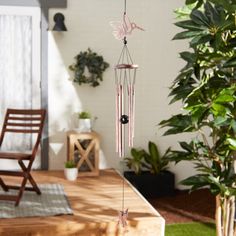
{"x":94,"y":64}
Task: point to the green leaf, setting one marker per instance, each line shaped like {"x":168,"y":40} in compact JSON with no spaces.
{"x":220,"y":121}
{"x":216,"y":168}
{"x":190,"y":25}
{"x":187,"y":34}
{"x":184,"y":12}
{"x":197,"y":180}
{"x":218,"y":110}
{"x":137,"y":154}
{"x":233,"y":125}
{"x":136,"y":161}
{"x":181,"y":92}
{"x":199,"y":18}
{"x":226,"y":95}
{"x":178,"y":123}
{"x":178,"y":156}
{"x":212,"y":14}
{"x":232,"y":191}
{"x":152,"y":147}
{"x":188,"y":56}
{"x":225,"y":4}
{"x":186,"y":146}
{"x":197,"y":112}
{"x":200,"y":39}
{"x":225,"y":98}
{"x":187,"y":2}
{"x":216,"y":181}
{"x":232,"y":143}
{"x":230,"y":63}
{"x":184,"y":75}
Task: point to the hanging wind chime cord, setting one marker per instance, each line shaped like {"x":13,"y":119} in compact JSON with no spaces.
{"x":124,"y":72}
{"x":123,"y":182}
{"x":125,"y":40}
{"x":125,"y":8}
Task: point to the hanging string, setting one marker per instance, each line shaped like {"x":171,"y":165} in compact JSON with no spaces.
{"x":125,"y":73}
{"x":125,"y":78}
{"x":125,"y":40}
{"x":124,"y":51}
{"x":125,"y":8}
{"x":124,"y":90}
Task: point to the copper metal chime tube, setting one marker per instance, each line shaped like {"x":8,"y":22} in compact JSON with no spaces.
{"x":125,"y":99}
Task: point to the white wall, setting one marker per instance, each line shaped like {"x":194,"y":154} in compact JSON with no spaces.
{"x":157,"y":56}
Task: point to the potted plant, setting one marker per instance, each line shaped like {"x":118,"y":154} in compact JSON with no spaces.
{"x":206,"y":86}
{"x":150,"y":175}
{"x":71,"y":171}
{"x":85,"y":121}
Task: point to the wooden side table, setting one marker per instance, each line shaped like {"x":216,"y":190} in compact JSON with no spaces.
{"x":84,"y":148}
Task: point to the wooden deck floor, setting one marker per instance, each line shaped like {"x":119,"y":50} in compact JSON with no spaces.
{"x":95,"y":202}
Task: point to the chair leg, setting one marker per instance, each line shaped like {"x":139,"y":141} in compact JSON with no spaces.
{"x":26,"y":176}
{"x":4,"y":186}
{"x":30,"y":178}
{"x":22,"y":188}
{"x":33,"y":183}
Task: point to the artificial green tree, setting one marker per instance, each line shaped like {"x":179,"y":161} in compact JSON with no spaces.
{"x":206,"y":86}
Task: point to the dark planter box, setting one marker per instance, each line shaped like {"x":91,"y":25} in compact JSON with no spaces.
{"x":150,"y":185}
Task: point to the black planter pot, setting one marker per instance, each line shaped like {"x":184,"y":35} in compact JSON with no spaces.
{"x":152,"y":185}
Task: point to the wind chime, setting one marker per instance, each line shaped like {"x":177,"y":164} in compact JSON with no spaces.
{"x":125,"y":76}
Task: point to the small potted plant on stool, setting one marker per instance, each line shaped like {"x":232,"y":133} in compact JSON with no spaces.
{"x":71,"y":171}
{"x":85,"y":121}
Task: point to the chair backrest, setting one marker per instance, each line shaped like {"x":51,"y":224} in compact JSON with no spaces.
{"x":24,"y":121}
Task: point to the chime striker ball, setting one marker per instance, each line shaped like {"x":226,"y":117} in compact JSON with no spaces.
{"x":124,"y":119}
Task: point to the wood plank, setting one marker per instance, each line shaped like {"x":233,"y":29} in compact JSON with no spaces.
{"x":49,"y":3}
{"x":95,"y":202}
{"x":23,"y":124}
{"x":8,"y":198}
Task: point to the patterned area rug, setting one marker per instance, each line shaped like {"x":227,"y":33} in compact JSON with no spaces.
{"x":52,"y":201}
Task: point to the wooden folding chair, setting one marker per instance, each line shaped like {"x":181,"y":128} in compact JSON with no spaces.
{"x":27,"y":122}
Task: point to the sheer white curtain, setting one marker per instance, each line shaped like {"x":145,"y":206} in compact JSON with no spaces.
{"x":15,"y":71}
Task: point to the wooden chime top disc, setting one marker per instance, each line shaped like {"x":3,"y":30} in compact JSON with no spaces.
{"x":126,"y":66}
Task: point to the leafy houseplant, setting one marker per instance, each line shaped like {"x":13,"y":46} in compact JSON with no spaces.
{"x":207,"y":89}
{"x":149,"y":173}
{"x":153,"y":160}
{"x":70,"y":171}
{"x":136,"y":161}
{"x":92,"y":63}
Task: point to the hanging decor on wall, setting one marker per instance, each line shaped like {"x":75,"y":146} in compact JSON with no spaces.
{"x":89,"y":68}
{"x":125,"y":76}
